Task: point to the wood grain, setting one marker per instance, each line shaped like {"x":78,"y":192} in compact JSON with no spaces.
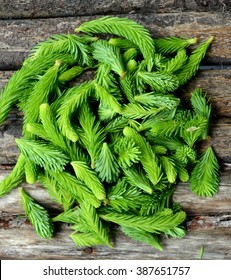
{"x":208,"y":224}
{"x":194,"y":205}
{"x":217,"y":84}
{"x":193,"y":5}
{"x":63,"y":8}
{"x":211,"y":232}
{"x":17,"y":37}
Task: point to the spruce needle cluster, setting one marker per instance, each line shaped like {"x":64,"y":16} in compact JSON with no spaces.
{"x":111,"y":149}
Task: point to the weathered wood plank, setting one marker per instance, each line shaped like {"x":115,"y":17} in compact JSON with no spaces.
{"x":220,"y":135}
{"x":220,"y":139}
{"x":164,"y":6}
{"x":211,"y":232}
{"x":217,"y":84}
{"x":4,"y":77}
{"x":200,"y":25}
{"x":192,"y":204}
{"x":64,"y":8}
{"x":61,"y":8}
{"x":17,"y":37}
{"x":9,"y":131}
{"x":10,"y":203}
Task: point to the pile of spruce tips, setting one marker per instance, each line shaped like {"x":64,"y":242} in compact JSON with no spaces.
{"x":111,"y":149}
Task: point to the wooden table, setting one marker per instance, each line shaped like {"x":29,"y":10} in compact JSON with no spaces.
{"x":25,"y":23}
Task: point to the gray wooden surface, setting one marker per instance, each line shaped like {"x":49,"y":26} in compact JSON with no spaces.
{"x":25,"y":23}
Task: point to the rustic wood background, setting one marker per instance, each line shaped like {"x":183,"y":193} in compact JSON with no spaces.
{"x":25,"y":23}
